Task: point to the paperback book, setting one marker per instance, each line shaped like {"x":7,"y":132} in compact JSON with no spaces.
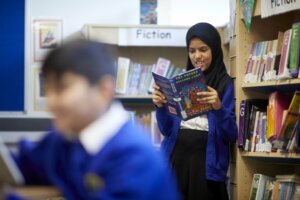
{"x":181,"y":93}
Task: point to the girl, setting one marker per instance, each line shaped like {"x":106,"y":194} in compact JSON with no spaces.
{"x":198,"y":148}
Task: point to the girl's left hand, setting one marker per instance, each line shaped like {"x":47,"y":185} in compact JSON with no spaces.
{"x":210,"y":96}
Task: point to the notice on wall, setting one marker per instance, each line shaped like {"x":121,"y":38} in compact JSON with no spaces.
{"x":151,"y":37}
{"x":275,"y":7}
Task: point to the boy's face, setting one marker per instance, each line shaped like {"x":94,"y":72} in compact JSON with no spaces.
{"x":76,"y":103}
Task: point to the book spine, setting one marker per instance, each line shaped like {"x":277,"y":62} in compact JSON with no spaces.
{"x":294,"y":59}
{"x":283,"y":65}
{"x":241,"y":136}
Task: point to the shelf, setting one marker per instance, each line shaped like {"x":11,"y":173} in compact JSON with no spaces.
{"x":134,"y":99}
{"x":287,"y":158}
{"x":137,"y":35}
{"x":289,"y":84}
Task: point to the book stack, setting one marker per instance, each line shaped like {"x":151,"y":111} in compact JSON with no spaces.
{"x":275,"y":59}
{"x":136,"y":79}
{"x":148,"y":122}
{"x":285,"y":187}
{"x":270,"y":125}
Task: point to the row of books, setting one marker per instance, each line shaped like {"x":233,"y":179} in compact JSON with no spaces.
{"x":275,"y":59}
{"x":270,"y":125}
{"x":136,"y":79}
{"x":282,"y":187}
{"x":149,"y":124}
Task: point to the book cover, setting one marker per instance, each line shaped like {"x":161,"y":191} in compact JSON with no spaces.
{"x":263,"y":61}
{"x":261,"y":186}
{"x":250,"y":58}
{"x":254,"y":186}
{"x":278,"y":102}
{"x":294,"y":54}
{"x":181,"y":93}
{"x":290,"y":119}
{"x":122,"y":75}
{"x":161,"y":68}
{"x":277,"y":53}
{"x":255,"y":131}
{"x":283,"y":71}
{"x":258,"y":186}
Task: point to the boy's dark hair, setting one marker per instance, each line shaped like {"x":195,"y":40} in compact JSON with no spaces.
{"x":87,"y":58}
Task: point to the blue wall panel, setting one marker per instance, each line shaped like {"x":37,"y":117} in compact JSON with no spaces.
{"x":12,"y":20}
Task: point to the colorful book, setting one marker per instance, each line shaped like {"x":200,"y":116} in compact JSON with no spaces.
{"x":278,"y":102}
{"x":181,"y":93}
{"x":283,"y":71}
{"x":294,"y":53}
{"x":122,"y":75}
{"x":277,"y":52}
{"x":258,"y":186}
{"x":290,"y":120}
{"x":161,"y":68}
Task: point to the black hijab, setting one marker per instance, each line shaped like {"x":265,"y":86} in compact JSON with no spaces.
{"x":216,"y":75}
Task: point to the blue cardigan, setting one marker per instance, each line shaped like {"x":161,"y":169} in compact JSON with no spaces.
{"x":127,"y":167}
{"x":222,"y":131}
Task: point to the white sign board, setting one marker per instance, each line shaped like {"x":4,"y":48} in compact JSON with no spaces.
{"x":152,"y":37}
{"x":275,"y":7}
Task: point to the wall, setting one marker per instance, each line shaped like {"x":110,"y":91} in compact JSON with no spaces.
{"x":76,"y":13}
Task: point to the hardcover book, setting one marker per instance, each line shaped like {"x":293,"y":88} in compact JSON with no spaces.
{"x":283,"y":71}
{"x":122,"y":75}
{"x":290,"y":120}
{"x":161,"y":68}
{"x":294,"y":54}
{"x":181,"y":93}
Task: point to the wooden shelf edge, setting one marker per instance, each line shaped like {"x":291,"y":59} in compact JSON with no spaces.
{"x":133,"y":97}
{"x":271,"y":83}
{"x":271,"y":155}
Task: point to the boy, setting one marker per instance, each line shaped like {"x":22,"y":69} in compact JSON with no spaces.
{"x":93,"y":152}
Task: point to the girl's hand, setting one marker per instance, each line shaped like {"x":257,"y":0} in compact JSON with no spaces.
{"x":210,"y":96}
{"x":158,"y":97}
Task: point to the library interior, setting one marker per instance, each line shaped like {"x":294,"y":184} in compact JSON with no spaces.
{"x":150,"y":99}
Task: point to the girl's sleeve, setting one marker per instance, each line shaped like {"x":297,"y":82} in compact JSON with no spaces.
{"x":165,"y":122}
{"x":225,"y":116}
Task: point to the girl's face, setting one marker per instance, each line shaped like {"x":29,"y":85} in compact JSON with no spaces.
{"x":200,"y":54}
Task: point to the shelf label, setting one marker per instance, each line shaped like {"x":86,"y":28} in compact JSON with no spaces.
{"x":151,"y":37}
{"x":275,"y":7}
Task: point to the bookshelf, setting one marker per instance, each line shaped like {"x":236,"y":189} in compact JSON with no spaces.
{"x":145,"y":44}
{"x":245,"y":164}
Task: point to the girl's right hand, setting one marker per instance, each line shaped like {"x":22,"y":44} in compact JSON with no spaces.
{"x":158,"y":97}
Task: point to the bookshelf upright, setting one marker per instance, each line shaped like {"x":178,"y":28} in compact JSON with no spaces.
{"x":245,"y":164}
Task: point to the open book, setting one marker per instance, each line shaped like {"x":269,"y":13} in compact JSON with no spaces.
{"x":181,"y":93}
{"x":9,"y":171}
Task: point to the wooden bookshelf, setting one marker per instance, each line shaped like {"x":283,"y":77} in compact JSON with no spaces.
{"x":248,"y":163}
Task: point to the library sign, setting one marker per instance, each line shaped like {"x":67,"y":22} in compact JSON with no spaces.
{"x":152,"y":37}
{"x":275,"y":7}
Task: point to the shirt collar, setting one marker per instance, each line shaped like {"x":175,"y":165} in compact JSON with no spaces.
{"x":99,"y":132}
